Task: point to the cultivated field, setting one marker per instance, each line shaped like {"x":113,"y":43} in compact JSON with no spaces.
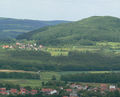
{"x":4,"y":70}
{"x":106,"y":47}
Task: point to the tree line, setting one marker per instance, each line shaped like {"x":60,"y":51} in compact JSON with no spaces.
{"x":75,"y":61}
{"x":92,"y":77}
{"x":19,"y":75}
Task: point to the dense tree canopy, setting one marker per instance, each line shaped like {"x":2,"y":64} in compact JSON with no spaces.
{"x":93,"y":77}
{"x":19,"y":75}
{"x":75,"y":61}
{"x":96,"y":28}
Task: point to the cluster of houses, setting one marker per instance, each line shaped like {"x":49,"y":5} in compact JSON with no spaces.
{"x":23,"y":91}
{"x":72,"y":91}
{"x":4,"y":91}
{"x":102,"y":87}
{"x":23,"y":46}
{"x":75,"y":88}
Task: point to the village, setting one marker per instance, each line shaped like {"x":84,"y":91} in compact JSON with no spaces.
{"x":23,"y":46}
{"x":73,"y":90}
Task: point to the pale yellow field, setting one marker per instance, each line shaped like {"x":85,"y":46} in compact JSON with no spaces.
{"x":5,"y":70}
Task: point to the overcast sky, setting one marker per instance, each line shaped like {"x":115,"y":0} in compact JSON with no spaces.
{"x":58,"y":9}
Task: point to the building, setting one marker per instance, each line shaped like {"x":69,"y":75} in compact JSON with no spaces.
{"x":5,"y":46}
{"x":33,"y":92}
{"x":112,"y":87}
{"x":49,"y":91}
{"x":24,"y":91}
{"x":103,"y":87}
{"x":68,"y":90}
{"x":3,"y":91}
{"x":13,"y":91}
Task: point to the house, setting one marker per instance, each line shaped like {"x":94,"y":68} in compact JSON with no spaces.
{"x":95,"y":89}
{"x":24,"y":91}
{"x":68,"y":90}
{"x":74,"y":86}
{"x":18,"y":43}
{"x":80,"y":87}
{"x":103,"y":87}
{"x":36,"y":49}
{"x":112,"y":87}
{"x":11,"y":47}
{"x":61,"y":88}
{"x":3,"y":91}
{"x":5,"y":46}
{"x":13,"y":91}
{"x":118,"y":89}
{"x":46,"y":90}
{"x":49,"y":91}
{"x":53,"y":92}
{"x":73,"y":95}
{"x":33,"y":92}
{"x":35,"y":44}
{"x":41,"y":46}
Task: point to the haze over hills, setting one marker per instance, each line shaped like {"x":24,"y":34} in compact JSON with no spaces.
{"x":96,"y":28}
{"x":10,"y":28}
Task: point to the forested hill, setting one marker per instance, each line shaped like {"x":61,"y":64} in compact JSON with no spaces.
{"x":96,"y":28}
{"x":10,"y":28}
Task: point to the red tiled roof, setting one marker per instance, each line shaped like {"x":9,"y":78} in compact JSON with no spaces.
{"x":68,"y":90}
{"x":3,"y":89}
{"x":13,"y":90}
{"x":34,"y":92}
{"x":47,"y":90}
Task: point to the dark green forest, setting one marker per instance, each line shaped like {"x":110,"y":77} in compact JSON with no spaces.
{"x":18,"y":75}
{"x":93,"y":77}
{"x":75,"y":61}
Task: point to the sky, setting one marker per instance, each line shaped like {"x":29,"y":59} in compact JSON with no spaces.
{"x":72,"y":10}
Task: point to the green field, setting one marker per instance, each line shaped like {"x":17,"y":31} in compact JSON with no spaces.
{"x":45,"y":76}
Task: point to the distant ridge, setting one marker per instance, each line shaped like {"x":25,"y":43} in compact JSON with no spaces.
{"x":10,"y":27}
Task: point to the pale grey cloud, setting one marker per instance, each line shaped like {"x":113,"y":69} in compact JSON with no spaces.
{"x":58,"y":9}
